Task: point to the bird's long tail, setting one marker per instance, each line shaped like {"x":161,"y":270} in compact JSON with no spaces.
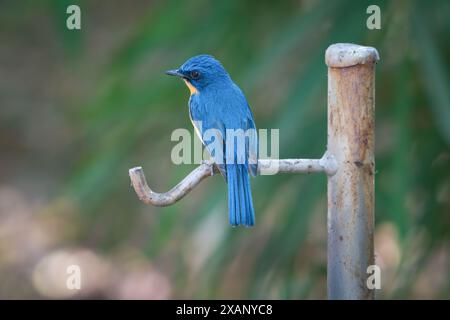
{"x":240,"y":204}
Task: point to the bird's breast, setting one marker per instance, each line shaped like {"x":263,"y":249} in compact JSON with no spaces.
{"x":192,"y":89}
{"x":195,"y":116}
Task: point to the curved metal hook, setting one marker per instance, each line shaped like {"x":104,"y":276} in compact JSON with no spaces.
{"x":326,"y":164}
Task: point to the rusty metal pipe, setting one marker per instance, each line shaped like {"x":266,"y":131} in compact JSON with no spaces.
{"x":351,"y":121}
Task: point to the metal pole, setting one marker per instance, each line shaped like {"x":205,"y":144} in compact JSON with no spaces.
{"x":351,"y":119}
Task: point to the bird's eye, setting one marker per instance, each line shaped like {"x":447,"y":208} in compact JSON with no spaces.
{"x":195,"y":74}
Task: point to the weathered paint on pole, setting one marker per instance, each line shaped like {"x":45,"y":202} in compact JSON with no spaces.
{"x":351,"y":123}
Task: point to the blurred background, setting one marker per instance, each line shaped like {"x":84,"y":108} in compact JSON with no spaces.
{"x":79,"y":108}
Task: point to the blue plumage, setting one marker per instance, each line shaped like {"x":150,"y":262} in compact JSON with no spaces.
{"x":218,"y":104}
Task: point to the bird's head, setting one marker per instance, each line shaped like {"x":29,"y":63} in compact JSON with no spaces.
{"x":201,"y":72}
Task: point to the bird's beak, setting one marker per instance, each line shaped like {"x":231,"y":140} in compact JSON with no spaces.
{"x":175,"y":72}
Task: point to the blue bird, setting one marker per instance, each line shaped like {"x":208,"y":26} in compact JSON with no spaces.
{"x":218,"y":105}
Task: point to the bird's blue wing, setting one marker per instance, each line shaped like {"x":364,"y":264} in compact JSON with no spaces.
{"x":236,"y":114}
{"x":229,"y":110}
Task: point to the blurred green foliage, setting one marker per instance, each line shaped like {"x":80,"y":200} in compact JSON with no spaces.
{"x":115,"y":109}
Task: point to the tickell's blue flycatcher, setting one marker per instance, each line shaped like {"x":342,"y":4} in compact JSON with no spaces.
{"x":218,"y":105}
